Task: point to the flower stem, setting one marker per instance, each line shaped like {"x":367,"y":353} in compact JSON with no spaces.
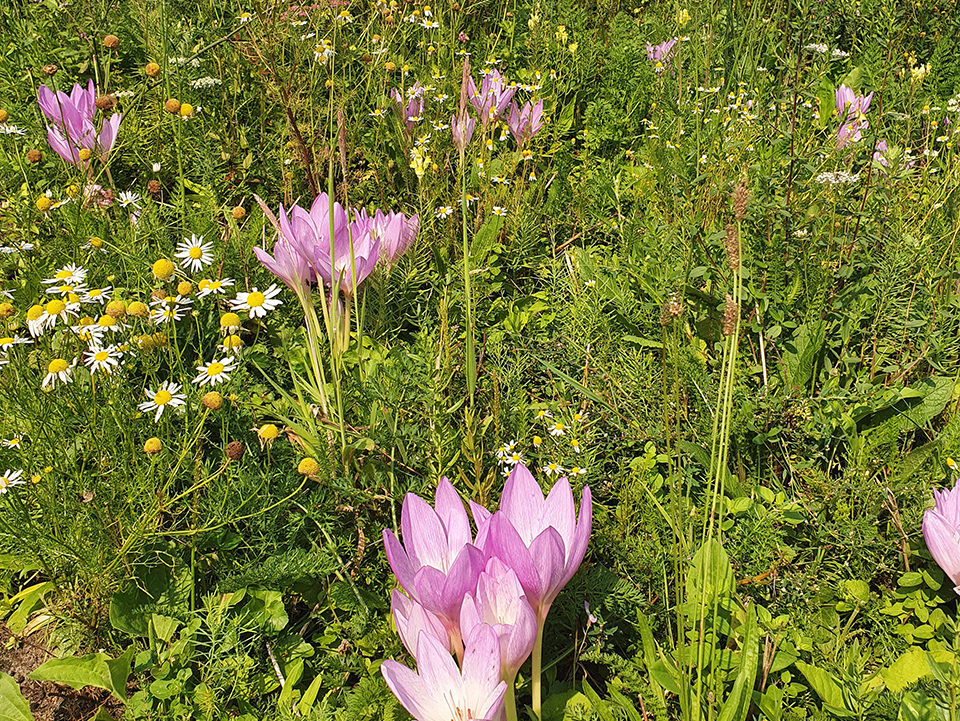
{"x":510,"y":704}
{"x":537,"y":665}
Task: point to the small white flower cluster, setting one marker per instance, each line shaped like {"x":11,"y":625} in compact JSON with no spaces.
{"x":195,"y":62}
{"x":838,"y":53}
{"x":820,"y":48}
{"x":201,"y":83}
{"x":840,"y":177}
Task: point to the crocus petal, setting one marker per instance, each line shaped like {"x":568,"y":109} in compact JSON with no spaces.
{"x":522,"y":503}
{"x":424,"y":536}
{"x":507,"y":545}
{"x":412,"y":619}
{"x":547,"y":553}
{"x":483,"y":691}
{"x":415,"y":696}
{"x":558,"y":510}
{"x":453,"y":515}
{"x":399,"y":562}
{"x":576,"y":548}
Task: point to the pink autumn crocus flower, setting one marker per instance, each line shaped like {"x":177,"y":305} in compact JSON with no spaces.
{"x":411,"y":106}
{"x":395,"y":232}
{"x":660,"y":55}
{"x":492,"y":98}
{"x":437,"y":563}
{"x":411,"y":619}
{"x":288,"y":265}
{"x":541,"y":539}
{"x":439,"y":691}
{"x":941,"y":531}
{"x":499,"y":602}
{"x":72,"y":128}
{"x":462,"y":127}
{"x":526,"y":122}
{"x":852,"y":108}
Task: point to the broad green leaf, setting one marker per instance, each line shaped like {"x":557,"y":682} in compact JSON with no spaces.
{"x":13,"y":706}
{"x":737,"y":705}
{"x":825,"y":685}
{"x":624,"y":703}
{"x":918,"y":706}
{"x":94,"y":669}
{"x":158,"y":590}
{"x":858,"y":589}
{"x":310,"y":696}
{"x":649,"y":652}
{"x":25,"y":601}
{"x":710,"y":575}
{"x":800,"y":353}
{"x":770,"y":703}
{"x":906,"y":670}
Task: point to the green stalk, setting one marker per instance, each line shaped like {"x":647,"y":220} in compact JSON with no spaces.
{"x":471,"y":354}
{"x":537,"y":665}
{"x":510,"y":703}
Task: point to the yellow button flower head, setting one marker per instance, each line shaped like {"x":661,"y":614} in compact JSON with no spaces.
{"x":266,"y":434}
{"x":153,"y":445}
{"x":184,"y":287}
{"x":212,"y":400}
{"x":6,"y":310}
{"x":116,"y":309}
{"x":138,"y":309}
{"x":308,"y":467}
{"x":44,"y":203}
{"x":163,"y":269}
{"x":229,"y":323}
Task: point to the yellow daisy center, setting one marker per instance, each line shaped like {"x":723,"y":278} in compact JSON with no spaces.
{"x":57,"y":365}
{"x":62,"y":274}
{"x":56,"y":306}
{"x":101,"y":356}
{"x":6,"y":341}
{"x":162,"y":398}
{"x":229,"y":320}
{"x":256,"y":299}
{"x":214,"y":369}
{"x":268,"y":432}
{"x":34,"y":312}
{"x":196,"y":252}
{"x":106,"y":321}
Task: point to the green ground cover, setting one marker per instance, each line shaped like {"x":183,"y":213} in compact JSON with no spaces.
{"x":700,"y":259}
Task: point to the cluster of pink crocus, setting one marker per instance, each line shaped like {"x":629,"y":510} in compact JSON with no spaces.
{"x":302,"y":254}
{"x":852,"y":108}
{"x":941,"y":532}
{"x":72,"y":133}
{"x":483,"y":598}
{"x":661,"y":55}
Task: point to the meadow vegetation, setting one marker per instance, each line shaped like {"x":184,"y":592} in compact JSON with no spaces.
{"x":269,"y":269}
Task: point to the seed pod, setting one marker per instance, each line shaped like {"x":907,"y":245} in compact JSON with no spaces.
{"x":732,"y":244}
{"x":112,"y":42}
{"x":731,"y":314}
{"x":235,"y":450}
{"x":106,"y":102}
{"x":741,"y":194}
{"x":153,"y":187}
{"x":172,"y":105}
{"x":50,"y":69}
{"x":34,"y":156}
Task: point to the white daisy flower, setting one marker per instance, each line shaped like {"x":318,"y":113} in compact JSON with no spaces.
{"x":14,"y":442}
{"x":544,"y":414}
{"x":553,"y":469}
{"x":231,"y":344}
{"x":208,"y":286}
{"x":557,"y":429}
{"x":444,"y":211}
{"x":68,"y":274}
{"x":9,"y":479}
{"x":194,"y":253}
{"x":215,"y":372}
{"x":9,"y":341}
{"x":575,"y":445}
{"x":257,"y":303}
{"x":102,"y":360}
{"x":128,"y":197}
{"x":499,"y":210}
{"x":169,"y":309}
{"x":58,"y":370}
{"x":67,"y":289}
{"x":515,"y":458}
{"x":577,"y":471}
{"x":97,"y":295}
{"x":167,"y":395}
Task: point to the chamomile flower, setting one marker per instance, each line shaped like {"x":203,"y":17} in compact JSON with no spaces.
{"x":208,"y":286}
{"x":97,"y":295}
{"x":543,"y":414}
{"x":580,"y":417}
{"x":194,"y":254}
{"x":9,"y":479}
{"x":217,"y":371}
{"x":257,"y":303}
{"x":9,"y":341}
{"x":58,"y":370}
{"x":167,"y":395}
{"x":109,"y":323}
{"x":14,"y":442}
{"x":169,"y":309}
{"x":444,"y":211}
{"x":537,"y":441}
{"x":576,"y":471}
{"x":514,"y":458}
{"x":62,"y":309}
{"x":266,"y":434}
{"x":499,"y":210}
{"x":127,"y":198}
{"x":557,"y":429}
{"x":68,"y":274}
{"x":231,"y":344}
{"x":101,"y":359}
{"x":64,"y":289}
{"x":575,"y":445}
{"x":552,"y":469}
